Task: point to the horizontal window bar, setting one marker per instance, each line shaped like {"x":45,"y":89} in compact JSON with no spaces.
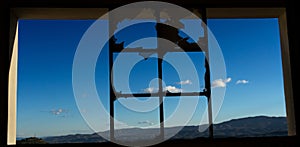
{"x":120,"y":95}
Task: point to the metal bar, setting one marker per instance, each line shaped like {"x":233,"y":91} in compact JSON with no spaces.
{"x":161,"y":94}
{"x":141,"y":50}
{"x":111,"y":91}
{"x":186,"y":94}
{"x":111,"y":100}
{"x":209,"y":102}
{"x":134,"y":95}
{"x":207,"y":77}
{"x":160,"y":56}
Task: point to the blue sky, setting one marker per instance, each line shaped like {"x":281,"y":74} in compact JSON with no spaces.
{"x":46,"y":105}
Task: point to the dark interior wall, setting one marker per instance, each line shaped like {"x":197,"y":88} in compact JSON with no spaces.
{"x":5,"y":6}
{"x":4,"y":65}
{"x":116,"y":3}
{"x":293,"y":35}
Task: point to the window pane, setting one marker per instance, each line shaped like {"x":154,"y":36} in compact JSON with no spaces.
{"x":184,"y":72}
{"x":137,"y":118}
{"x":132,"y":73}
{"x":45,"y":99}
{"x":252,"y":54}
{"x":185,"y":116}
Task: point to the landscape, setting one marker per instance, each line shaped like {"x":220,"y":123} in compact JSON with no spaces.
{"x":258,"y":126}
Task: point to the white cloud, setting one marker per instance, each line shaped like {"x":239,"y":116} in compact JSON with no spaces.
{"x":173,"y":89}
{"x":220,"y":82}
{"x":242,"y":82}
{"x":120,"y":125}
{"x":184,"y":82}
{"x":146,"y":122}
{"x":150,"y":90}
{"x":227,"y":80}
{"x":59,"y":111}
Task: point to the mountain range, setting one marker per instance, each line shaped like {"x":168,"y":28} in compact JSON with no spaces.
{"x":258,"y":126}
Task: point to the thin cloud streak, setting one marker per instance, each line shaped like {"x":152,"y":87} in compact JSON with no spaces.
{"x":146,"y":122}
{"x":242,"y":82}
{"x":186,"y":82}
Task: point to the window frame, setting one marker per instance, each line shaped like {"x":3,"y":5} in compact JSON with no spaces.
{"x":91,"y":13}
{"x":280,"y":14}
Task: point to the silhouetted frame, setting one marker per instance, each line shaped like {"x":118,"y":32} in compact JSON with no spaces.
{"x":41,"y":10}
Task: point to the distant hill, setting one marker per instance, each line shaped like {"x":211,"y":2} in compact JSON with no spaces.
{"x":259,"y":126}
{"x":31,"y":140}
{"x":244,"y":127}
{"x":253,"y":127}
{"x":76,"y":138}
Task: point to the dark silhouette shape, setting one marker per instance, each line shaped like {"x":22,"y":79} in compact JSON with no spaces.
{"x":117,"y":47}
{"x":169,"y":33}
{"x":32,"y":140}
{"x":145,"y":55}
